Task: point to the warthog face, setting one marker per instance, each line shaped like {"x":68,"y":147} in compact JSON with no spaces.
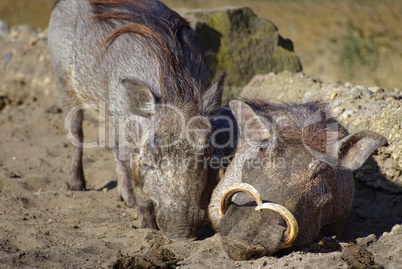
{"x":296,"y":164}
{"x":170,"y":167}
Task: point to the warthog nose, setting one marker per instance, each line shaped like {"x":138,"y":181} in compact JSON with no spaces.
{"x":180,"y":231}
{"x":239,"y":250}
{"x":181,"y":235}
{"x":202,"y":214}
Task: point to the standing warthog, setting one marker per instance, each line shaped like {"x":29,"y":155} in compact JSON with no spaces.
{"x":140,"y":65}
{"x":295,"y":162}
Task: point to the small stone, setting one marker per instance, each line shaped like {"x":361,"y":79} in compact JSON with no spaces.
{"x":389,"y":99}
{"x":348,"y":85}
{"x":46,"y":80}
{"x":366,"y":241}
{"x":347,"y":114}
{"x":333,"y":96}
{"x":41,"y":58}
{"x":154,"y":244}
{"x":355,"y":93}
{"x":397,"y":229}
{"x":14,"y":175}
{"x":327,"y":244}
{"x":54,"y":110}
{"x":376,"y":89}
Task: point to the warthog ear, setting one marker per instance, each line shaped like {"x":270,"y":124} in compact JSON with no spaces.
{"x":251,"y":125}
{"x":212,"y":98}
{"x":140,"y":97}
{"x":354,"y":149}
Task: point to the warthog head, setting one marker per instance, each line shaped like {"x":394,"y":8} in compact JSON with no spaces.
{"x":170,"y":166}
{"x":292,"y":176}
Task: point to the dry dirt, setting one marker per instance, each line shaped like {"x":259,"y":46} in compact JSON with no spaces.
{"x":44,"y":226}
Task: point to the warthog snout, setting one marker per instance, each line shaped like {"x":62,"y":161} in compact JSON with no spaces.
{"x":244,"y":249}
{"x":249,"y":234}
{"x":184,"y":227}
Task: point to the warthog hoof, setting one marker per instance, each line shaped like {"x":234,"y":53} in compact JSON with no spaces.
{"x":74,"y":186}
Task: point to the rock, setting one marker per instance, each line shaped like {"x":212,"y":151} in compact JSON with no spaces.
{"x":242,"y":44}
{"x":366,"y":241}
{"x":325,"y":245}
{"x":358,"y":257}
{"x":397,"y":229}
{"x":285,"y":86}
{"x":356,"y":107}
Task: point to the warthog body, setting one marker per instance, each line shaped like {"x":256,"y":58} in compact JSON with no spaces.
{"x":140,"y":65}
{"x":301,"y":161}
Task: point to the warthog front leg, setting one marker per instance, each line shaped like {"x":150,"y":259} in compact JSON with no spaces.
{"x":145,"y":206}
{"x":146,"y":211}
{"x":124,"y":182}
{"x":73,"y":124}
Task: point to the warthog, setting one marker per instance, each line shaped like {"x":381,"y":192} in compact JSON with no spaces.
{"x":140,"y":65}
{"x":296,"y":162}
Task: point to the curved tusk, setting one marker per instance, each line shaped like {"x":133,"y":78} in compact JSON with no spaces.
{"x":232,"y":190}
{"x":292,"y":227}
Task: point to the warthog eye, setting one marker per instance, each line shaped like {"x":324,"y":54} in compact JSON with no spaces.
{"x":263,"y":149}
{"x":146,"y":165}
{"x":155,"y":150}
{"x":261,"y":152}
{"x":156,"y":153}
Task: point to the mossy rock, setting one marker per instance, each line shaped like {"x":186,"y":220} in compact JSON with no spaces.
{"x":242,"y":44}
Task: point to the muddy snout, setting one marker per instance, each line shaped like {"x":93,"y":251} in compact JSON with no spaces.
{"x":184,"y":228}
{"x":248,"y":234}
{"x":240,"y":250}
{"x":250,"y":231}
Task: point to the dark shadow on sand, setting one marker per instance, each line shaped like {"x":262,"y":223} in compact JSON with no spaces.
{"x":375,"y":211}
{"x":109,"y":186}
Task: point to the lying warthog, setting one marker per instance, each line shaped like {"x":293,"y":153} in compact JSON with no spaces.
{"x":296,"y":163}
{"x":141,"y":65}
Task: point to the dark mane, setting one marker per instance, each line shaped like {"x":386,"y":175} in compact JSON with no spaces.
{"x":160,"y":28}
{"x":309,"y":123}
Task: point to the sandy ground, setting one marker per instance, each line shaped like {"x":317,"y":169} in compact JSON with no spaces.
{"x":44,"y":226}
